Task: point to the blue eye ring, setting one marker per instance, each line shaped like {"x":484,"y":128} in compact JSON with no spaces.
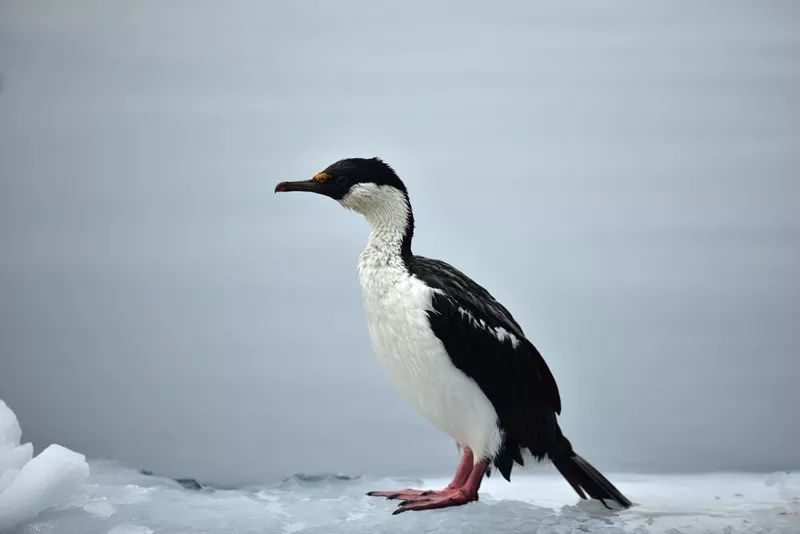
{"x":342,"y":181}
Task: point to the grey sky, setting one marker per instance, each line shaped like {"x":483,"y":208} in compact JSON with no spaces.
{"x":624,"y":177}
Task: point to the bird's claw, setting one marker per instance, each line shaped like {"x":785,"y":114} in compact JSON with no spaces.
{"x":406,"y":494}
{"x":438,"y":499}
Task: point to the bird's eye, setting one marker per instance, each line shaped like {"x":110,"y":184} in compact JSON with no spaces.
{"x":342,"y":181}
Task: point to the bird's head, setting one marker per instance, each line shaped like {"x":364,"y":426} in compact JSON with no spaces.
{"x":360,"y":184}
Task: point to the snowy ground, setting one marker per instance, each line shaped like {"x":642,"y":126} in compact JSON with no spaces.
{"x":57,"y":492}
{"x":118,"y":500}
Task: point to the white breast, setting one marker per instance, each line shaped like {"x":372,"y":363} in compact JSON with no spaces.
{"x":396,"y":305}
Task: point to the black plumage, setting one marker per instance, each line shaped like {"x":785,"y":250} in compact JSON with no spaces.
{"x":512,"y":375}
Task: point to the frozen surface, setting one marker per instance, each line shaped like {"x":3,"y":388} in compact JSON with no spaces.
{"x":118,"y":500}
{"x":29,"y":485}
{"x":55,"y":493}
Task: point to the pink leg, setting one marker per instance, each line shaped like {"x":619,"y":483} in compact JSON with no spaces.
{"x":459,"y":479}
{"x":464,"y":469}
{"x":468,"y":492}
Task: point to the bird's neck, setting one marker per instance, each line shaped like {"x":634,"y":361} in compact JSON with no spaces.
{"x":391,"y":224}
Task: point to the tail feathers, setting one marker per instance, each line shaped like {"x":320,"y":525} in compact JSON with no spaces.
{"x":584,"y":478}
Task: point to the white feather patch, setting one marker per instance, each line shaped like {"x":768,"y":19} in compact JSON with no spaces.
{"x":499,"y":332}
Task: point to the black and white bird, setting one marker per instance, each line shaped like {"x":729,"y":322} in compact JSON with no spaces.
{"x":452,"y":350}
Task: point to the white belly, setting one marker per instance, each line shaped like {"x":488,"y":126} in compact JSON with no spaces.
{"x":396,"y":305}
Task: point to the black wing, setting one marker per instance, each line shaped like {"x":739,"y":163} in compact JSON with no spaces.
{"x":477,"y":333}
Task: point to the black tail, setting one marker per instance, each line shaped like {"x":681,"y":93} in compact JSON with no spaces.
{"x":583,"y":477}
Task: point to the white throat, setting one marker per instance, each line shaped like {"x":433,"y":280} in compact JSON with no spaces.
{"x":387,"y":212}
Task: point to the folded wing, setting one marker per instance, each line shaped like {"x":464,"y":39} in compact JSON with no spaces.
{"x":485,"y":342}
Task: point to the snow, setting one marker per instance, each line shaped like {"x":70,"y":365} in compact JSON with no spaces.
{"x":119,"y":500}
{"x":57,"y":493}
{"x":29,"y":485}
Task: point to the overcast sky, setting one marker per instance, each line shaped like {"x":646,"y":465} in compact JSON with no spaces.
{"x":622,"y":176}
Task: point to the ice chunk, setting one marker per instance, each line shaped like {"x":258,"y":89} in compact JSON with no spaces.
{"x":10,"y":431}
{"x":48,"y":480}
{"x":6,"y":477}
{"x":29,"y":485}
{"x":15,"y":457}
{"x":12,"y":455}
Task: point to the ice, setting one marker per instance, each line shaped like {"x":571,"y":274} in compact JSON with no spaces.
{"x":10,"y":431}
{"x":56,"y":493}
{"x":29,"y":485}
{"x":14,"y":457}
{"x":120,"y":500}
{"x":130,"y":529}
